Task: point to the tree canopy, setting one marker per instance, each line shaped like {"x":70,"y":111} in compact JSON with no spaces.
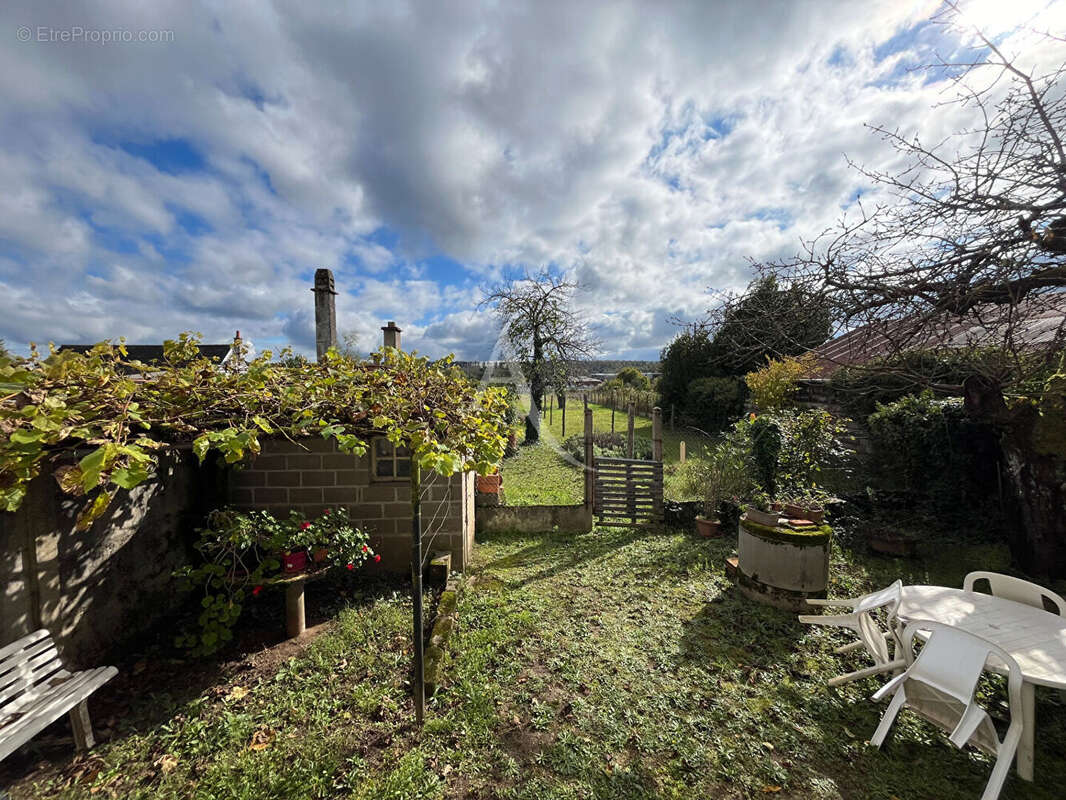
{"x":104,"y":418}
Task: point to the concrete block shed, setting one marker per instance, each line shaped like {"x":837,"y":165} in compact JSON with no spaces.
{"x":312,"y":475}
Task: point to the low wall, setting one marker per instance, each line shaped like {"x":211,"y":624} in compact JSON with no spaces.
{"x":96,"y":589}
{"x":532,"y":519}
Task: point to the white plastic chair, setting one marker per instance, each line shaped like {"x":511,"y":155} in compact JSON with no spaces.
{"x":863,"y":621}
{"x":940,"y":684}
{"x":1018,"y":590}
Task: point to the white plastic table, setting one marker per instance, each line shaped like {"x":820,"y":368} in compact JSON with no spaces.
{"x":1036,"y":639}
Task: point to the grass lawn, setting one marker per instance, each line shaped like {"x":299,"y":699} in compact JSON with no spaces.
{"x":617,"y":664}
{"x":541,"y":475}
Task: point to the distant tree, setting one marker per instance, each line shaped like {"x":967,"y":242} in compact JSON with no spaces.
{"x":769,"y":320}
{"x":687,"y":358}
{"x":349,"y":346}
{"x":545,"y":332}
{"x":633,"y":378}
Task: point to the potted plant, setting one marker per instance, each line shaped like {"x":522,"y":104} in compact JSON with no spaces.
{"x":295,"y":539}
{"x":348,"y":545}
{"x":759,"y":510}
{"x":490,"y":484}
{"x":716,"y":479}
{"x":807,"y":505}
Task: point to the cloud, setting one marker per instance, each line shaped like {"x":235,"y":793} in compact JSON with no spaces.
{"x":420,"y":150}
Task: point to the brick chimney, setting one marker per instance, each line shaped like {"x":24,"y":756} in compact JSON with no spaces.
{"x":325,"y":312}
{"x":392,"y":335}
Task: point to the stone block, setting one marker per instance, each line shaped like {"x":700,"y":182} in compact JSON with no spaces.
{"x":343,"y":461}
{"x":303,"y":461}
{"x":322,"y":477}
{"x":247,"y":478}
{"x":305,"y":496}
{"x":266,"y":462}
{"x":271,"y":496}
{"x":351,"y":477}
{"x":383,"y":492}
{"x":283,"y":478}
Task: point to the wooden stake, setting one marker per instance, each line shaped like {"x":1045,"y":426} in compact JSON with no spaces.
{"x":682,"y":453}
{"x":590,"y":466}
{"x":656,"y":434}
{"x":419,"y":684}
{"x":629,"y":439}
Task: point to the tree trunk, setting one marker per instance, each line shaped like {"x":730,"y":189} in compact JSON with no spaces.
{"x":1037,"y":476}
{"x":536,"y":392}
{"x":1039,"y":481}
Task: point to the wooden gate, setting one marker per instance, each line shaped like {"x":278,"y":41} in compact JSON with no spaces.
{"x":627,"y":491}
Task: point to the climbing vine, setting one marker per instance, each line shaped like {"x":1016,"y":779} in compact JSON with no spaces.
{"x":103,"y":418}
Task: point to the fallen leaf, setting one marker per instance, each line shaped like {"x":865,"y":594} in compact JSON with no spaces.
{"x":238,"y":693}
{"x":262,"y":739}
{"x":167,"y":763}
{"x":771,"y":789}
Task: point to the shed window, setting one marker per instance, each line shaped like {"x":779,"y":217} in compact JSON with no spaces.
{"x":391,"y":462}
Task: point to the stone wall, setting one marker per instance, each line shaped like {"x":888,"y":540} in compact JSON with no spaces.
{"x":313,"y":475}
{"x":96,"y":589}
{"x":533,"y":519}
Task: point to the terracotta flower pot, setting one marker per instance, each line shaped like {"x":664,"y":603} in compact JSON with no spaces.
{"x":811,"y":513}
{"x":320,"y":554}
{"x":489,"y":484}
{"x":768,"y":518}
{"x":708,"y":528}
{"x":294,"y":562}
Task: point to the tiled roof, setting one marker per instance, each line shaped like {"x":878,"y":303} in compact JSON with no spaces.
{"x":1037,"y":322}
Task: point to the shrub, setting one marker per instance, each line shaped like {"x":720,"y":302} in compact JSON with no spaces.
{"x":712,"y":403}
{"x":774,"y":385}
{"x":720,"y":478}
{"x":239,"y":552}
{"x":932,"y":450}
{"x":860,"y":389}
{"x":607,"y":445}
{"x":789,"y":451}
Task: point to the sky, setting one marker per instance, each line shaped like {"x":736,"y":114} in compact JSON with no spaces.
{"x":187,"y":166}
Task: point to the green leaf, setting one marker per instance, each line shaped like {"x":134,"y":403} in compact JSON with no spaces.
{"x":263,"y":424}
{"x":24,"y":436}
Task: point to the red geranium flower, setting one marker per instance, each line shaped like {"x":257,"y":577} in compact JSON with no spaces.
{"x":364,"y":548}
{"x":257,"y":590}
{"x":305,"y":525}
{"x":351,"y":566}
{"x":377,"y":558}
{"x":326,"y":511}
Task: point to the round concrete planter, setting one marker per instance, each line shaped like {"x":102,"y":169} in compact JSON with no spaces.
{"x":780,"y":566}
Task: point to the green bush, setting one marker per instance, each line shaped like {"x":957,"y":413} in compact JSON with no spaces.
{"x":790,"y":452}
{"x":607,"y":445}
{"x":860,"y":389}
{"x":932,"y":450}
{"x":711,"y":404}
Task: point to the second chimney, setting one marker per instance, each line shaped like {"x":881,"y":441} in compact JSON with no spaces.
{"x":392,"y":335}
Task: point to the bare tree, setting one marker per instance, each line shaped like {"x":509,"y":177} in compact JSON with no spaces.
{"x":545,"y":332}
{"x":967,"y":251}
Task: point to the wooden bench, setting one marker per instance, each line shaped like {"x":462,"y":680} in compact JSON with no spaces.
{"x":35,"y":691}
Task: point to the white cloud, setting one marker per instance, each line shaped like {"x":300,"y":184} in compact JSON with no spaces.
{"x":650,"y":149}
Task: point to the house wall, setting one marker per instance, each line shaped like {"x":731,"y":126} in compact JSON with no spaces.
{"x":98,"y":588}
{"x":312,"y":475}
